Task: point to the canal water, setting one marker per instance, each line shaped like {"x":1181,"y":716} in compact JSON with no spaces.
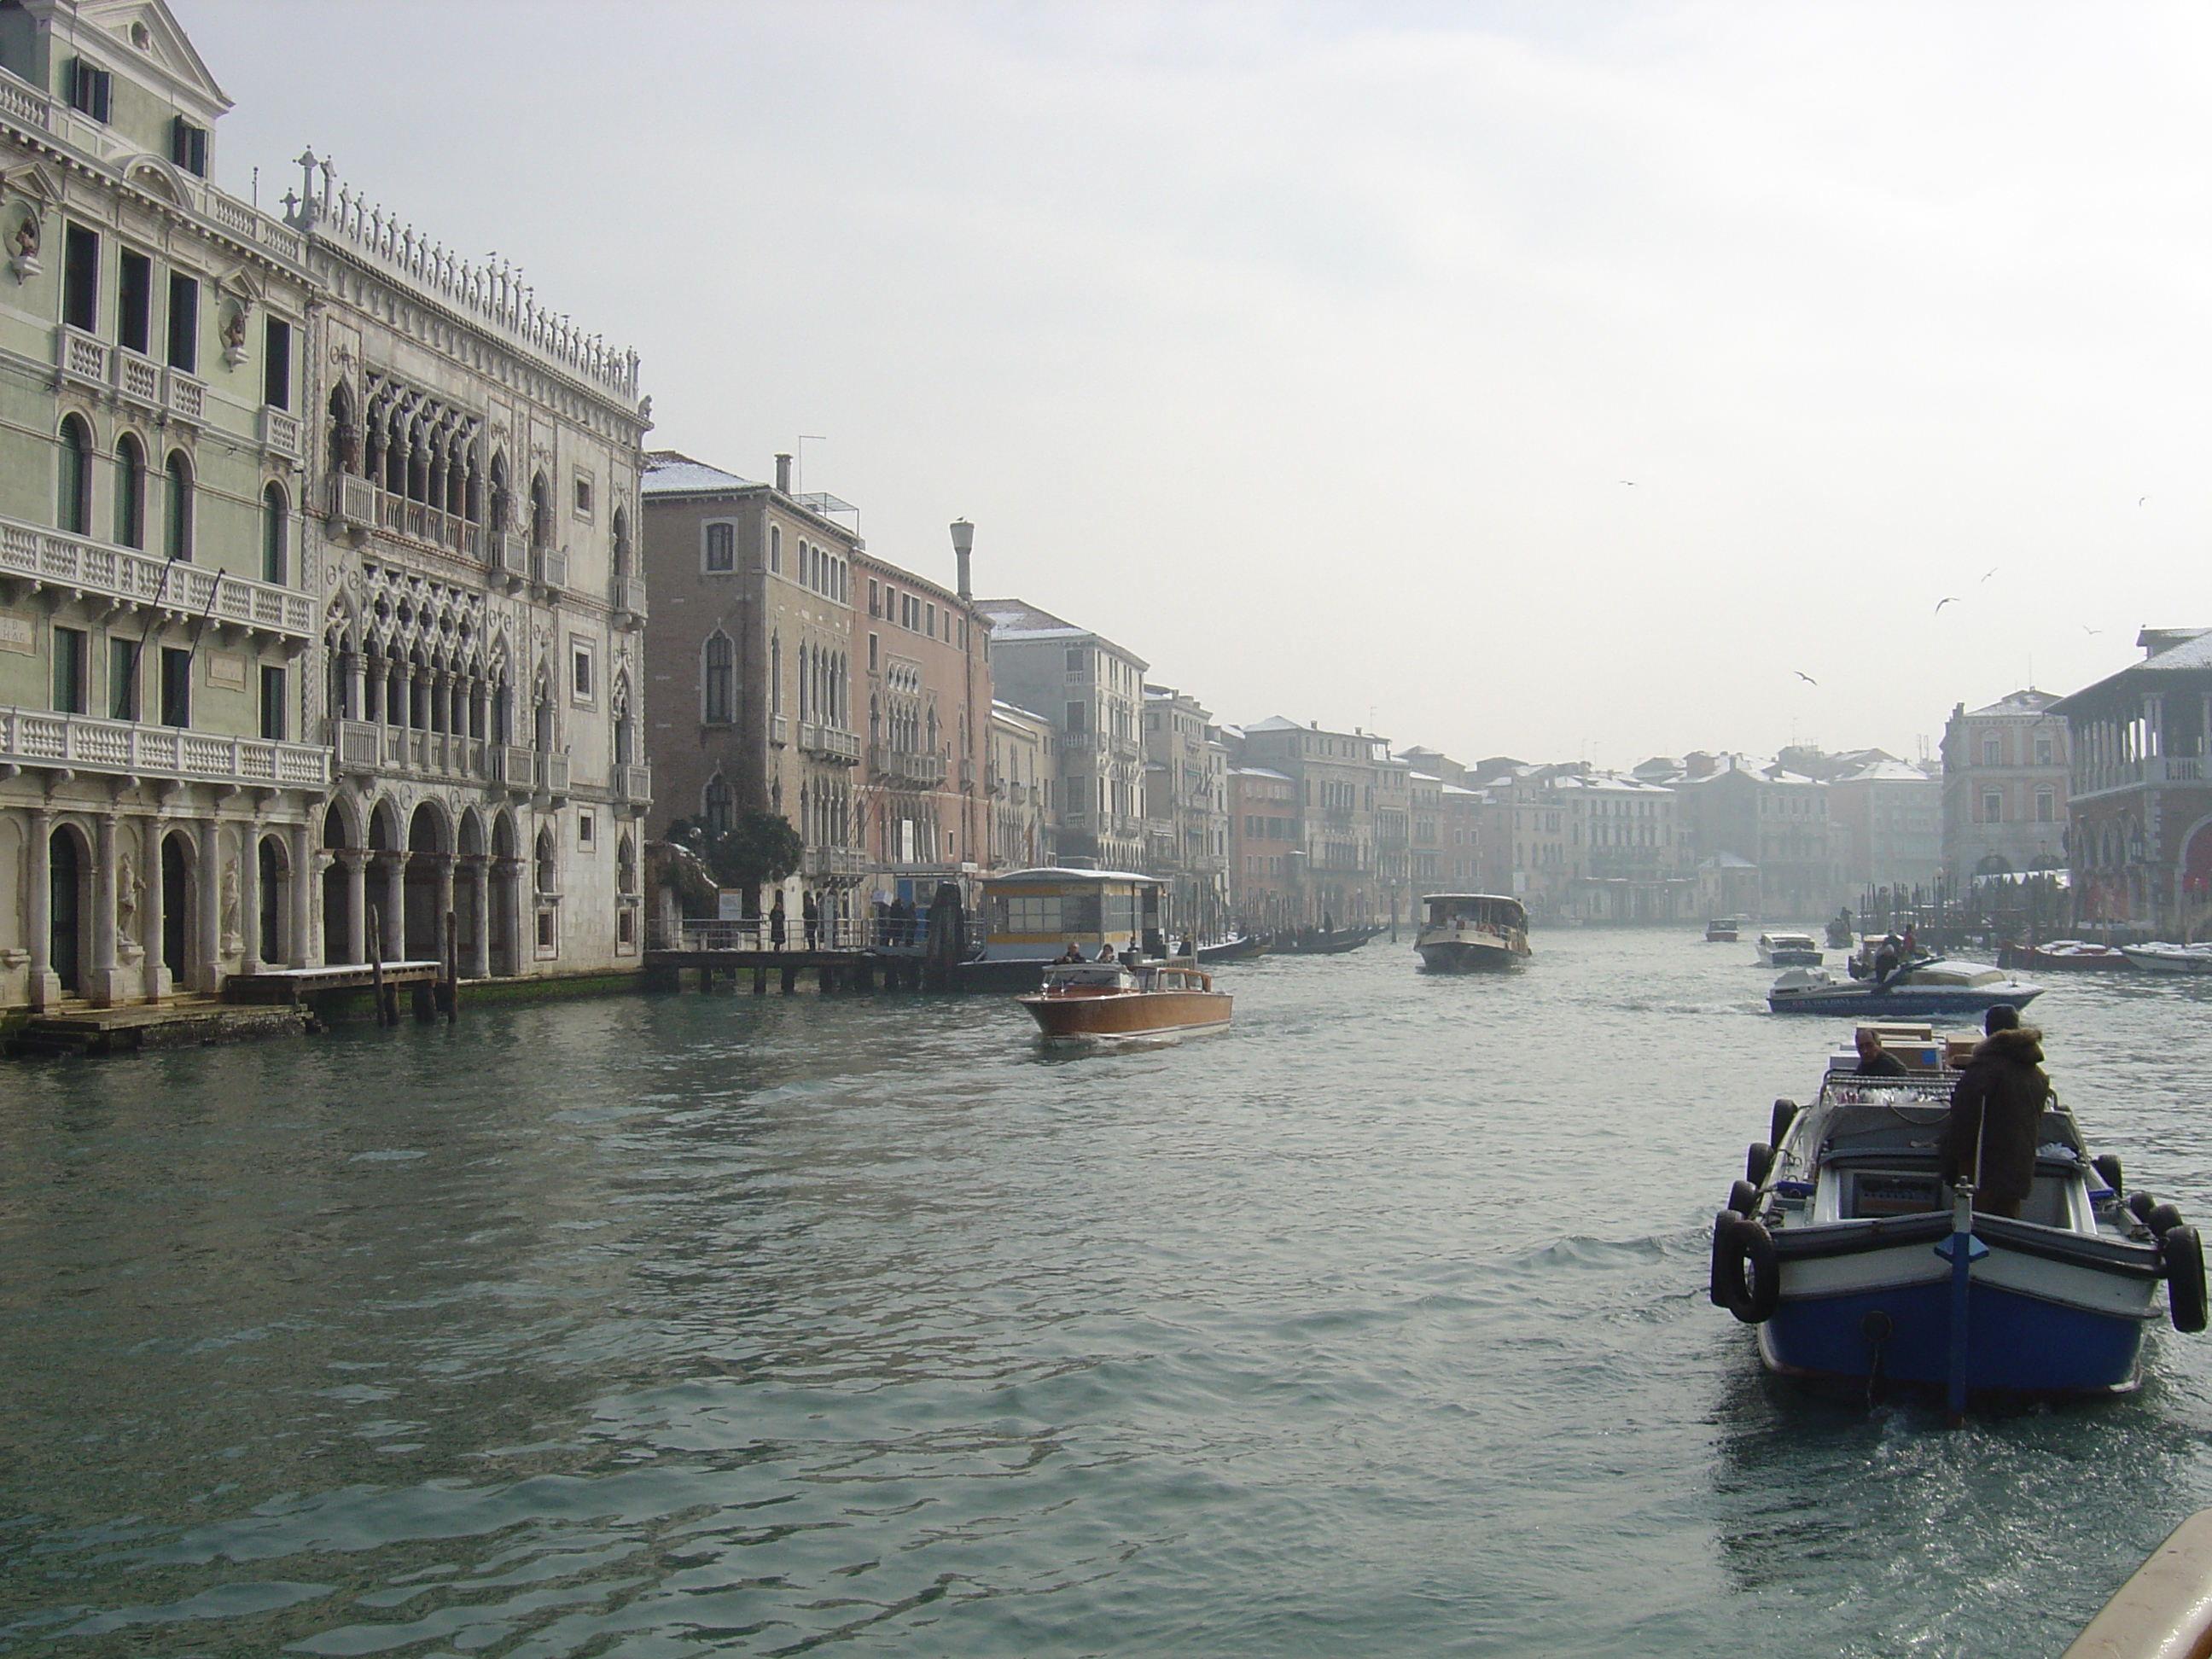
{"x":684,"y":1325}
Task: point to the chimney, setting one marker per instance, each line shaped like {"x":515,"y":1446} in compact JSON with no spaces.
{"x":963,"y":538}
{"x":783,"y":474}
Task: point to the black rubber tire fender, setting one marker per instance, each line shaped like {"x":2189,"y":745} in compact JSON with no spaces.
{"x":2182,"y":1254}
{"x":1745,"y":1272}
{"x":1777,"y":1126}
{"x":1743,"y":1199}
{"x":2107,"y":1165}
{"x":1723,"y":1221}
{"x":2141,"y":1204}
{"x":2163,"y":1219}
{"x":1757,"y":1163}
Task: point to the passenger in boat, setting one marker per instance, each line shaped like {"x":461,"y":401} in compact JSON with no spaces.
{"x":1997,"y":1107}
{"x":1874,"y":1060}
{"x":1908,"y":947}
{"x":1885,"y":959}
{"x":1106,"y":952}
{"x":1071,"y":954}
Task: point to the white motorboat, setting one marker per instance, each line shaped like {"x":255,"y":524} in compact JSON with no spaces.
{"x":1931,"y":986}
{"x":1778,"y":949}
{"x":2160,"y":957}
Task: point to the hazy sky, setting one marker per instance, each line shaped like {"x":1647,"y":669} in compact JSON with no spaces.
{"x":1540,"y":378}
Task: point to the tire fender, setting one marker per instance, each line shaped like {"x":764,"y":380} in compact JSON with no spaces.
{"x":1757,"y":1162}
{"x":1745,"y":1274}
{"x":2182,"y":1254}
{"x":1743,"y":1199}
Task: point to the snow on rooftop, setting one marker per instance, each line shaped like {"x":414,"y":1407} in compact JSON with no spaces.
{"x":667,"y":473}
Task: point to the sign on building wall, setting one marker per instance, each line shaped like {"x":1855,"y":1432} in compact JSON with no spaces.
{"x":19,"y":633}
{"x":225,"y":669}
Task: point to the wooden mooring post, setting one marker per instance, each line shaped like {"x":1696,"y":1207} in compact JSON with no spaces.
{"x":376,"y":961}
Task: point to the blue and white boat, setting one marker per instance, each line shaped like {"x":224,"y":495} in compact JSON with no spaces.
{"x":1931,"y":987}
{"x":1840,"y":1247}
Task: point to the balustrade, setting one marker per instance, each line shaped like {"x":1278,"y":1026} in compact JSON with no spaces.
{"x":57,"y":559}
{"x":38,"y":737}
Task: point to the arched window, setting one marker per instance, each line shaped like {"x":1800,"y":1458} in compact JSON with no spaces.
{"x":343,"y":440}
{"x":74,"y":507}
{"x":775,"y":673}
{"x":625,"y":867}
{"x":717,"y":807}
{"x":177,"y":509}
{"x":499,"y":505}
{"x":720,"y":703}
{"x":548,"y":874}
{"x":621,"y":542}
{"x":130,"y":492}
{"x":274,"y":540}
{"x":541,"y":512}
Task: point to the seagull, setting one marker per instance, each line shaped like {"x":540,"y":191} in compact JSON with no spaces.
{"x":1805,"y":676}
{"x":2085,"y":628}
{"x":1991,"y":571}
{"x":1939,"y":604}
{"x":2140,"y":499}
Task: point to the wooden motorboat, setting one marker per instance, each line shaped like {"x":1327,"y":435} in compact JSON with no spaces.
{"x":1723,"y":930}
{"x":1030,"y":917}
{"x":1086,"y":1002}
{"x":1845,"y":1247}
{"x":1467,"y":933}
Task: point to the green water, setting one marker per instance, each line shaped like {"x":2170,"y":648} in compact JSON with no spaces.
{"x":678,"y":1326}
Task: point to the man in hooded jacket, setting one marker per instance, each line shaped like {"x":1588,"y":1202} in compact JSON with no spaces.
{"x":1998,"y":1101}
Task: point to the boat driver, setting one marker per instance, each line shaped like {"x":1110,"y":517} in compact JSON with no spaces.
{"x":1071,"y":954}
{"x":1874,"y":1060}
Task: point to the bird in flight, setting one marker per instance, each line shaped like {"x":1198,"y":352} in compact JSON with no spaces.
{"x":2085,"y":628}
{"x":1805,"y":676}
{"x":1939,"y":604}
{"x":2140,"y":499}
{"x":1630,"y":483}
{"x":1991,"y":571}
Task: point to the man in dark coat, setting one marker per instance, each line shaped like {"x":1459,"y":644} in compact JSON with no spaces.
{"x":1874,"y":1060}
{"x":1998,"y":1102}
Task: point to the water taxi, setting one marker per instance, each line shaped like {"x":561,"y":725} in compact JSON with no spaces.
{"x":2160,"y":957}
{"x":1465,"y":933}
{"x":1723,"y":930}
{"x":1088,"y":1001}
{"x":1928,"y":987}
{"x":1780,"y":949}
{"x":1845,"y":1247}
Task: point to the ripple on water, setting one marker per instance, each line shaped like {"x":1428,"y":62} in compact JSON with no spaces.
{"x":670,"y":1326}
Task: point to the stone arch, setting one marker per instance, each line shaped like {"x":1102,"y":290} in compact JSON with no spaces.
{"x":384,"y":825}
{"x":130,"y":490}
{"x":2194,"y":865}
{"x":469,"y":840}
{"x":427,"y":891}
{"x":343,"y":440}
{"x":70,"y":868}
{"x":182,"y":895}
{"x":273,"y":865}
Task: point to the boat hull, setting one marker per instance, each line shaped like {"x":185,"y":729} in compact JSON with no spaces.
{"x":2037,"y":1324}
{"x":1786,"y":957}
{"x":1469,"y":955}
{"x":1856,"y":1001}
{"x":2161,"y":962}
{"x":1127,"y":1013}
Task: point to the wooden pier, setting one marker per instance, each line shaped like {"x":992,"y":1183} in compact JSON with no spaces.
{"x":834,"y":971}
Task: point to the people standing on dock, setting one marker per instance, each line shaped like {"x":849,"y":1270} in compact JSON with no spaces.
{"x":775,"y":924}
{"x":811,"y":914}
{"x":1996,"y":1109}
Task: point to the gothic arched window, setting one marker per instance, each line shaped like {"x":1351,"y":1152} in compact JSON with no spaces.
{"x":720,"y":704}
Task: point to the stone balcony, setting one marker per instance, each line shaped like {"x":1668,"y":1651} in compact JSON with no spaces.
{"x":44,"y":557}
{"x":80,"y":743}
{"x":626,"y":599}
{"x":903,"y":766}
{"x":90,"y":362}
{"x":369,"y":746}
{"x":633,"y":783}
{"x":828,"y":743}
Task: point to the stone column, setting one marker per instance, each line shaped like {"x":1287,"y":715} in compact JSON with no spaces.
{"x":307,"y":878}
{"x":156,"y":970}
{"x":522,"y":938}
{"x":446,"y":862}
{"x":395,"y":906}
{"x":45,"y":986}
{"x":208,"y":912}
{"x":356,"y":688}
{"x":478,"y":965}
{"x":106,"y":987}
{"x":250,"y":945}
{"x":356,"y":868}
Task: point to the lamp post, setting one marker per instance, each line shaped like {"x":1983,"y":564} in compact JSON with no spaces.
{"x":969,"y":778}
